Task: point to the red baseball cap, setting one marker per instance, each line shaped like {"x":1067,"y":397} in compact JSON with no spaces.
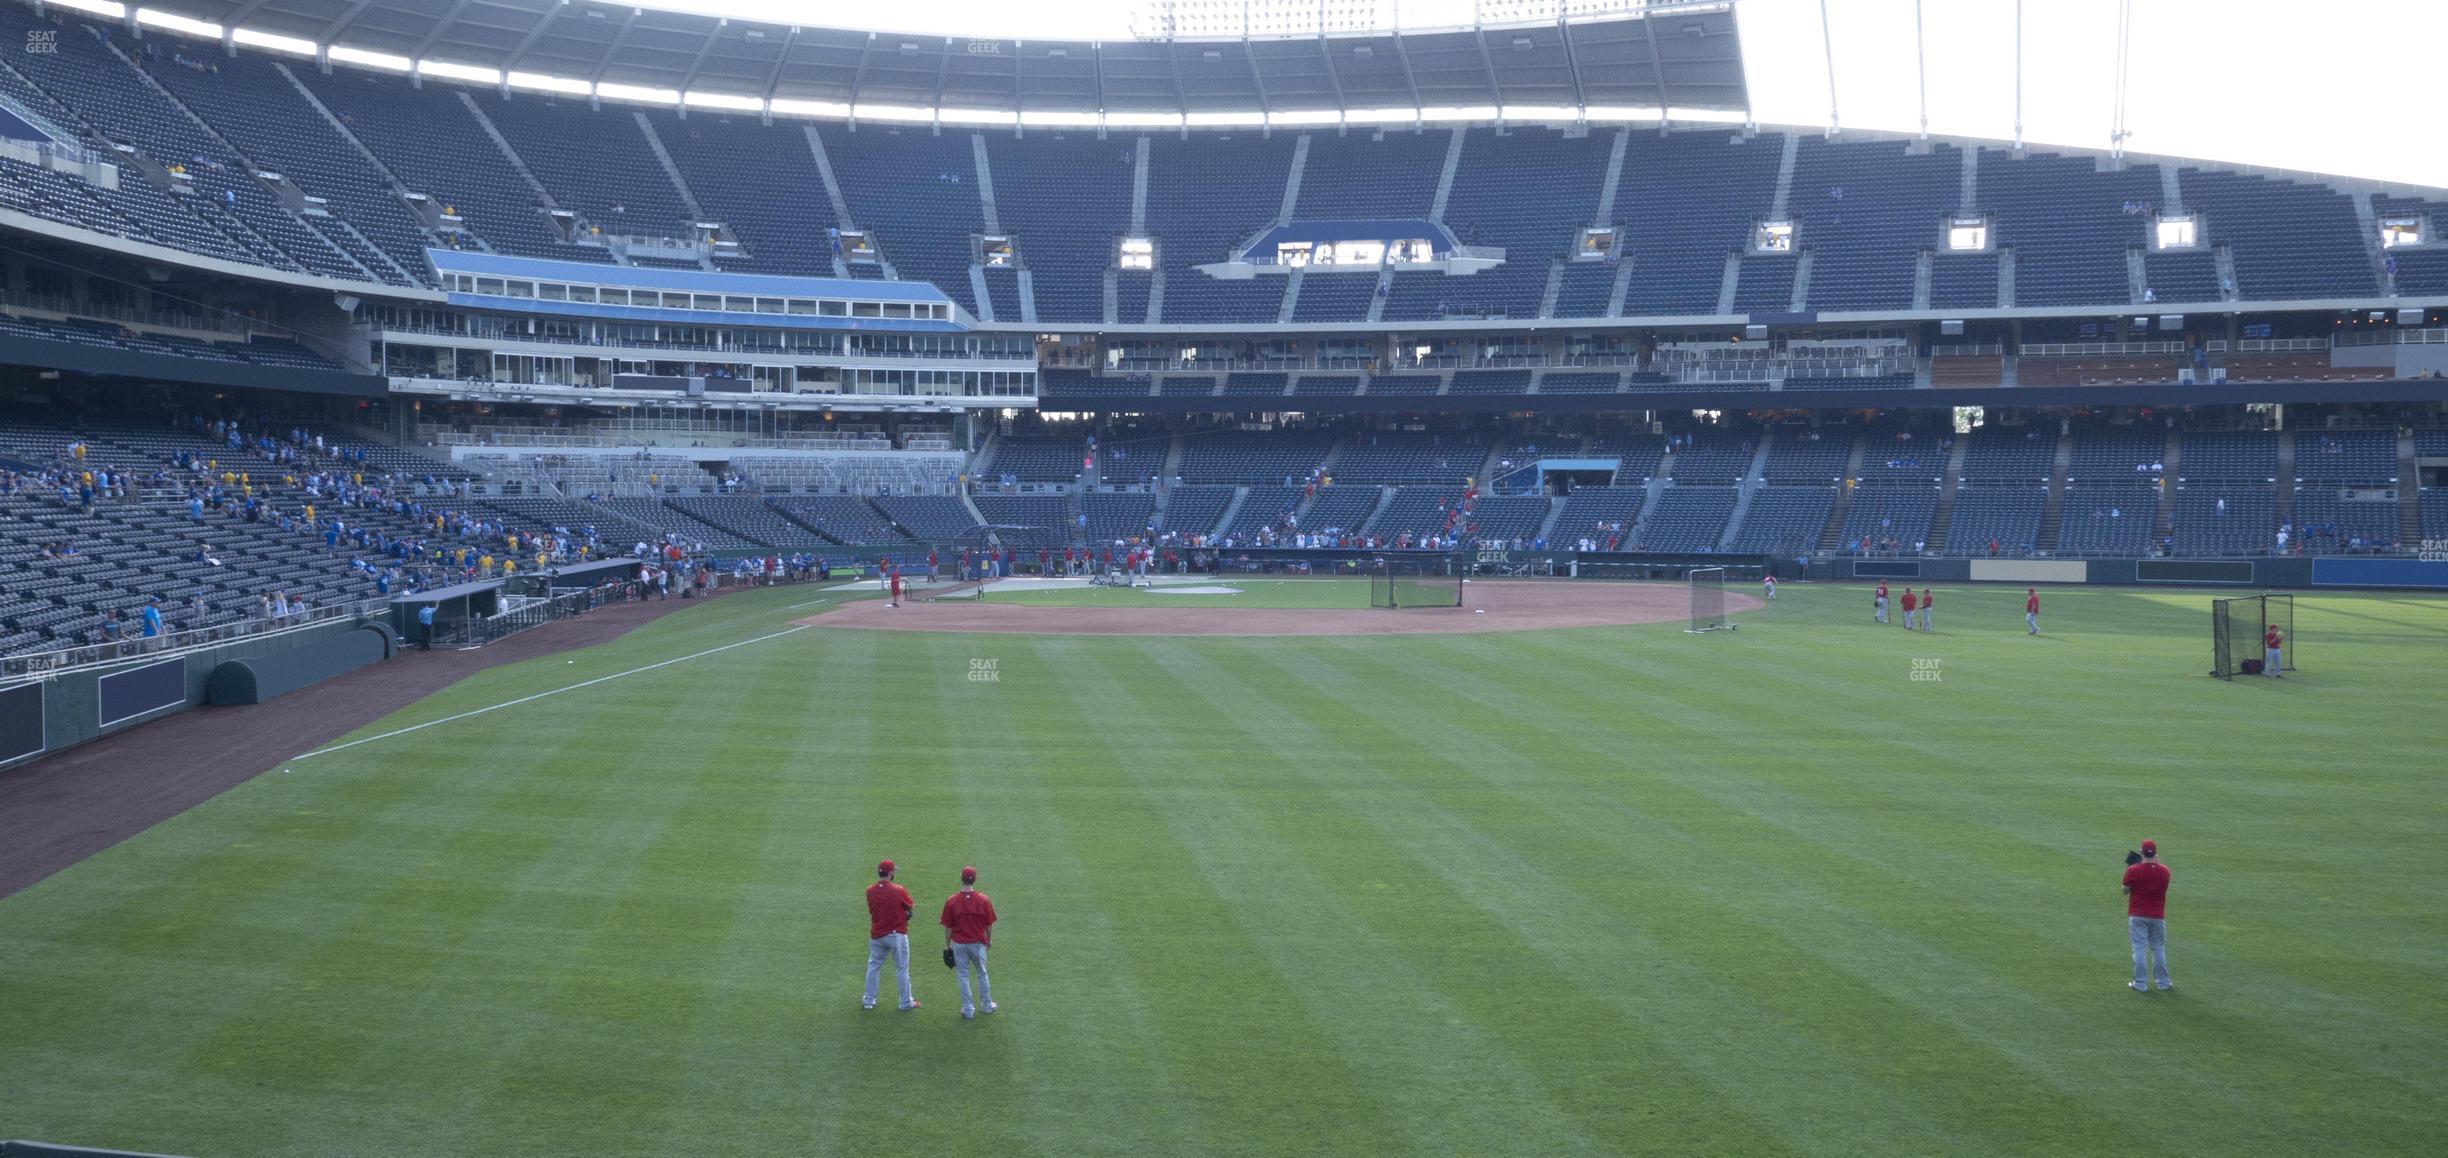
{"x":884,"y":868}
{"x":2150,"y":846}
{"x":968,"y":875}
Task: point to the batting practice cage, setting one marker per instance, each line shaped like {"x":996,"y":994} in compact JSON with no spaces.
{"x":2236,"y":631}
{"x":1399,"y":583}
{"x":1708,"y":600}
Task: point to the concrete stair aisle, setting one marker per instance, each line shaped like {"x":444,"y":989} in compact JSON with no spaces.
{"x":833,"y":194}
{"x":1232,"y":510}
{"x":2171,"y":460}
{"x":1173,"y":458}
{"x":1621,"y":289}
{"x":1547,"y":526}
{"x":2409,"y":492}
{"x":1445,"y":179}
{"x":1831,"y":534}
{"x":1752,"y":480}
{"x":1385,"y":498}
{"x":1652,"y":494}
{"x":971,"y":506}
{"x":1943,"y":518}
{"x":2052,"y":510}
{"x":2286,"y":477}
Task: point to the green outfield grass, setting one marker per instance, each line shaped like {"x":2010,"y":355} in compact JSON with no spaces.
{"x":1574,"y":892}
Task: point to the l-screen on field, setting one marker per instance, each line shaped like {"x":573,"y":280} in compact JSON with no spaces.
{"x":1816,"y":885}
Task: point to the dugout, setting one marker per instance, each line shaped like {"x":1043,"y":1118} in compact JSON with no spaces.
{"x":452,"y":604}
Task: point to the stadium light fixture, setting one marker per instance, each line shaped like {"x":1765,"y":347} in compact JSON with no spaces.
{"x":466,"y":72}
{"x":952,"y":115}
{"x":268,"y":41}
{"x":1381,"y":116}
{"x":1142,"y":120}
{"x":1450,"y":113}
{"x":1706,"y":116}
{"x":1058,"y":118}
{"x":1528,"y":114}
{"x":1623,"y":112}
{"x":176,"y":23}
{"x":906,"y":114}
{"x":108,"y":8}
{"x":638,"y":93}
{"x":1248,"y":118}
{"x":784,"y":106}
{"x":382,"y":60}
{"x":722,"y":100}
{"x":544,"y":82}
{"x":1305,"y":117}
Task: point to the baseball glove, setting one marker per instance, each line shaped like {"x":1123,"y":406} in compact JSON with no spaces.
{"x":947,"y":958}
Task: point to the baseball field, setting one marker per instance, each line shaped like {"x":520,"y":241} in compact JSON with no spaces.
{"x":1814,"y":886}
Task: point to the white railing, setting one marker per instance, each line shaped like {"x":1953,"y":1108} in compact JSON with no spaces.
{"x":44,"y":664}
{"x":2099,"y":349}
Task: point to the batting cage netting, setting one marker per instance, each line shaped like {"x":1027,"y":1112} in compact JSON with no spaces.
{"x":1399,"y":583}
{"x":1708,"y":599}
{"x":2239,"y":633}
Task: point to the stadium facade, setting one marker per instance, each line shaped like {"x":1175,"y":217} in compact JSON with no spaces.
{"x":1540,"y":286}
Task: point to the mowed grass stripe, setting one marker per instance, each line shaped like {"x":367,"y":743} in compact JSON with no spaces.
{"x":2285,"y":995}
{"x":1266,"y":1074}
{"x":1081,"y":1026}
{"x":760,"y":1066}
{"x":1825,"y":801}
{"x":1289,"y":861}
{"x":1673,"y":877}
{"x":1413,"y":787}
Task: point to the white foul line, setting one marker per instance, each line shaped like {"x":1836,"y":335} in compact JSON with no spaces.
{"x":554,"y":692}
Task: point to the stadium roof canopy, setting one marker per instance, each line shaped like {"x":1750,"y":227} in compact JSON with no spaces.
{"x":1616,"y":59}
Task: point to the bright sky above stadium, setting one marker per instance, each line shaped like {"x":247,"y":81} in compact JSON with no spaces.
{"x":2254,"y":82}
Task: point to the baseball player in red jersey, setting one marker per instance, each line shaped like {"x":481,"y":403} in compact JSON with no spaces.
{"x":2146,"y":888}
{"x":1926,"y":600}
{"x":2273,"y":652}
{"x":894,"y":578}
{"x":2031,"y":609}
{"x":1909,"y":605}
{"x":1878,"y":603}
{"x":968,"y":923}
{"x":888,"y":913}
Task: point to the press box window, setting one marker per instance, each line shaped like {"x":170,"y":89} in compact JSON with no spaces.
{"x":1773,"y":237}
{"x":1967,"y":234}
{"x":2397,"y":232}
{"x":2177,"y":232}
{"x":1137,"y":253}
{"x":996,"y":252}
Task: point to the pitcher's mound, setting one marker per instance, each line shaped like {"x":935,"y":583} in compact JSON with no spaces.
{"x":1508,"y":605}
